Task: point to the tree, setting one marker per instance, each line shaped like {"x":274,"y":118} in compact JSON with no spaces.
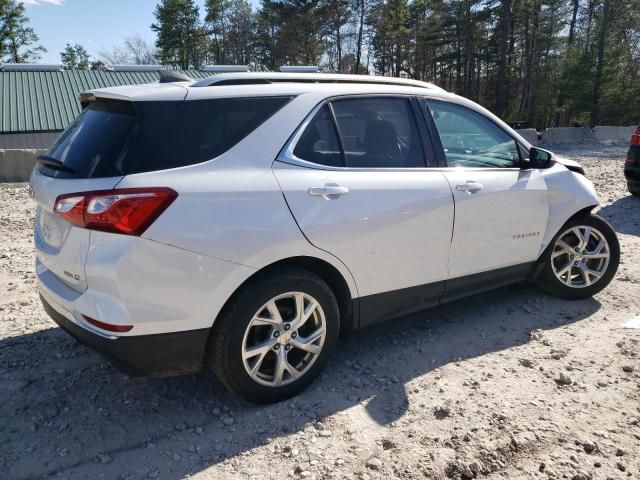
{"x":231,"y":25}
{"x":338,"y":17}
{"x":504,"y":31}
{"x":75,"y":57}
{"x":605,"y":19}
{"x":303,"y":26}
{"x":135,"y":50}
{"x":139,"y":50}
{"x":216,"y":22}
{"x":541,"y":62}
{"x":181,"y":37}
{"x":268,"y":35}
{"x":390,"y":20}
{"x":18,"y":41}
{"x":360,"y":11}
{"x":240,"y":33}
{"x":117,"y":55}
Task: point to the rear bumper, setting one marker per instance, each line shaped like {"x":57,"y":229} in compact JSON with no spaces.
{"x":162,"y":354}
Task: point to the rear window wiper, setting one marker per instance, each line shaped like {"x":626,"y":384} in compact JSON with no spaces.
{"x":54,"y":164}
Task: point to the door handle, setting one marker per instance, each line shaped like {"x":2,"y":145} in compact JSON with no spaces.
{"x":469,"y":187}
{"x":329,"y":192}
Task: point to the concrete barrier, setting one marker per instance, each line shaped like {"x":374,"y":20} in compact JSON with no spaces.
{"x":16,"y":165}
{"x":529,"y":134}
{"x":611,"y":135}
{"x":562,"y":135}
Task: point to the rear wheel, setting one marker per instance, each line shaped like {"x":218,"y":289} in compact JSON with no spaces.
{"x":275,"y":336}
{"x":582,"y":258}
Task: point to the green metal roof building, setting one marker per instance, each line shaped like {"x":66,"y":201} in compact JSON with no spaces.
{"x":35,"y":106}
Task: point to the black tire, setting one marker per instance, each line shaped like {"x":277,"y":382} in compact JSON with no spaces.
{"x":226,"y":343}
{"x":550,"y":283}
{"x":634,"y":189}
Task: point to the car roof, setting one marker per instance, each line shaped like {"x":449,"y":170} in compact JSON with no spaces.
{"x":269,"y":83}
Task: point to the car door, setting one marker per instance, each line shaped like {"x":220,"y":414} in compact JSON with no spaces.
{"x":356,"y":180}
{"x":501,"y":210}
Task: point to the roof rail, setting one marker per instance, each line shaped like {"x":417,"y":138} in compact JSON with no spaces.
{"x":226,"y":68}
{"x":299,"y":69}
{"x":31,"y":67}
{"x":258,"y":78}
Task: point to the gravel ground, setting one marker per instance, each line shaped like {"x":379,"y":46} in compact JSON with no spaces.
{"x":511,"y":384}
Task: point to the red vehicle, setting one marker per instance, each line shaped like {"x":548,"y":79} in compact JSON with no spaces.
{"x":632,"y":164}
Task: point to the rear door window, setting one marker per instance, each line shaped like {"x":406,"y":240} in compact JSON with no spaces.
{"x":368,"y":132}
{"x":115,"y":138}
{"x":379,"y":133}
{"x":319,"y":142}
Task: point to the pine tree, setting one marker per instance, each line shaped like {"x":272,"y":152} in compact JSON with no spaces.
{"x":18,"y":41}
{"x":536,"y":62}
{"x":181,"y":37}
{"x":75,"y":57}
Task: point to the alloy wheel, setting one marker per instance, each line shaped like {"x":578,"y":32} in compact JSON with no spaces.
{"x":580,"y":256}
{"x":284,"y":339}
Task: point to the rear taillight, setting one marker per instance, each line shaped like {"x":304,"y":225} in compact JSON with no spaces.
{"x":635,"y":137}
{"x":129,"y":211}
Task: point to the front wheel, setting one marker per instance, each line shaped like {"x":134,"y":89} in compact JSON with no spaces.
{"x":581,"y":260}
{"x":275,"y":336}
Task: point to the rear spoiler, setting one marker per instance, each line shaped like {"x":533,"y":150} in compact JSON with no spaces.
{"x":131,"y":93}
{"x":85,"y":99}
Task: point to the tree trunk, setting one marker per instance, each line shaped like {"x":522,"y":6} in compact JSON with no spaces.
{"x":502,"y":89}
{"x":338,"y":49}
{"x":572,"y":25}
{"x":361,"y":8}
{"x":597,"y":81}
{"x":532,"y":67}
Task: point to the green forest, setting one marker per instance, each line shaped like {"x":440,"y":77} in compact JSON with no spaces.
{"x":536,"y":63}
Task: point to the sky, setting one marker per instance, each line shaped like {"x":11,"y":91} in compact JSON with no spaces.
{"x":95,"y":24}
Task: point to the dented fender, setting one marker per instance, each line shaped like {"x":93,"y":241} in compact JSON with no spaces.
{"x":569,"y":193}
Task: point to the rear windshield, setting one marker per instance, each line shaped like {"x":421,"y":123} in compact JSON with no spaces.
{"x":112,"y":138}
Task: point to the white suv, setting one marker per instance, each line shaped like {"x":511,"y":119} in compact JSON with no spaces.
{"x":247,"y":220}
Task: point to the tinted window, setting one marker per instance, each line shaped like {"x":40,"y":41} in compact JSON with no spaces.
{"x":378,"y":133}
{"x":205,"y":129}
{"x":472,"y":140}
{"x":95,"y":143}
{"x":319,"y":143}
{"x":114,"y":138}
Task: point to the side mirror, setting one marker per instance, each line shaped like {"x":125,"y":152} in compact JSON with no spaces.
{"x":539,"y":158}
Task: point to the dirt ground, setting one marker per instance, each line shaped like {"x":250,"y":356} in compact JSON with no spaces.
{"x":509,"y":384}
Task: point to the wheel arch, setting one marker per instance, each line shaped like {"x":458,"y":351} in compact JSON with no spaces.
{"x":549,"y":236}
{"x":559,"y":220}
{"x":336,"y":281}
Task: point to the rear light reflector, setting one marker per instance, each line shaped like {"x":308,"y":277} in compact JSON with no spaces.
{"x":107,"y":326}
{"x":129,"y":211}
{"x":635,"y":137}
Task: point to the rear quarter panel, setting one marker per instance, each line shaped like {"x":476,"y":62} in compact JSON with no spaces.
{"x":232,"y":207}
